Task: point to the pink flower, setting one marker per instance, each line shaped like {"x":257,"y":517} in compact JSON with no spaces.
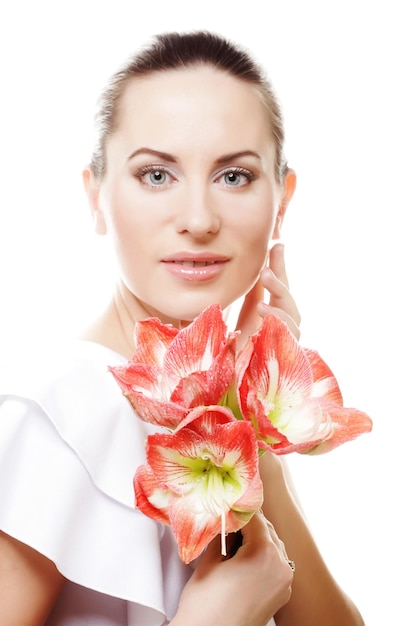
{"x":174,"y":371}
{"x":290,"y":395}
{"x":203,"y":479}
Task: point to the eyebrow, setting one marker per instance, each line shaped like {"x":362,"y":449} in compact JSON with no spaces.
{"x":165,"y":156}
{"x":226,"y":158}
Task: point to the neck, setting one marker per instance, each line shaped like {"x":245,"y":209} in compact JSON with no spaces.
{"x":114,"y":328}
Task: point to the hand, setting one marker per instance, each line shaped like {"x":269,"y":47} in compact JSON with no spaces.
{"x":244,"y":590}
{"x":281,"y":303}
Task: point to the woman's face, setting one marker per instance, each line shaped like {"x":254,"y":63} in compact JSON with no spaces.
{"x":189,"y":197}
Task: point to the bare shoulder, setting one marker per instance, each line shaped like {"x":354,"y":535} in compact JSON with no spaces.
{"x":29,"y":583}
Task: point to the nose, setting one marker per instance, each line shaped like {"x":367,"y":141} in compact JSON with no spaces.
{"x":197,"y":214}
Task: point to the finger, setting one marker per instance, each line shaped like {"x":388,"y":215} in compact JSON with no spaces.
{"x":274,"y":535}
{"x":280,"y":297}
{"x":275,"y":280}
{"x":277,"y":263}
{"x":265,"y":309}
{"x":256,"y":294}
{"x":249,"y":320}
{"x":256,"y":530}
{"x":280,"y":546}
{"x":275,"y":538}
{"x":281,"y":303}
{"x":211,"y":555}
{"x":259,"y":529}
{"x":248,"y":311}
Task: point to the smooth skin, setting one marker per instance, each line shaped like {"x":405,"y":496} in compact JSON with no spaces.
{"x":30,"y":583}
{"x":213,"y":584}
{"x":163,"y":197}
{"x":316,"y":599}
{"x":169,"y":198}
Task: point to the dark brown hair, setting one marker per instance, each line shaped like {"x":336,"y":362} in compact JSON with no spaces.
{"x":171,"y":51}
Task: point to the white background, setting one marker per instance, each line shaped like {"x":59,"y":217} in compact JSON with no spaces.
{"x":346,"y":76}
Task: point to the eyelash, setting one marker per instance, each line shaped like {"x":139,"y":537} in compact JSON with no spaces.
{"x":241,"y":171}
{"x":149,"y":169}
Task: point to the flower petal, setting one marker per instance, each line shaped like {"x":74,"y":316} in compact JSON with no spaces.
{"x":197,"y":519}
{"x":140,"y":378}
{"x":144,"y":388}
{"x":195,"y":347}
{"x":208,"y":387}
{"x":347,"y":424}
{"x":173,"y":369}
{"x":275,"y":376}
{"x":147,"y":488}
{"x":291,"y":396}
{"x":193,"y":530}
{"x":152,"y":339}
{"x":325,"y":384}
{"x":199,"y":474}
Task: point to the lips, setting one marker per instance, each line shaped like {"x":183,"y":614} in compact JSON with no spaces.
{"x":196,"y":263}
{"x":195,"y":267}
{"x":195,"y":257}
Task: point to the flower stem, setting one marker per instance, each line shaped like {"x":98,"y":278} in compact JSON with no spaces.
{"x":224,"y":551}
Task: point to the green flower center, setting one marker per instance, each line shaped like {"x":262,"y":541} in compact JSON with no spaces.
{"x":218,"y":485}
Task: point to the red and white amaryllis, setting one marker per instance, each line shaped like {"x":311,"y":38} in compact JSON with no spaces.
{"x":173,"y":371}
{"x":290,"y":395}
{"x":203,"y":479}
{"x":220,"y":412}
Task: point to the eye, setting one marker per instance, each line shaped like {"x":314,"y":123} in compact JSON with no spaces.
{"x":157,"y":177}
{"x":154,"y":176}
{"x":236,"y":177}
{"x":233,"y":178}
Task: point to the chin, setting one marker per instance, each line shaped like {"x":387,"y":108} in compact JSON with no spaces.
{"x":182,"y":313}
{"x":181,"y":308}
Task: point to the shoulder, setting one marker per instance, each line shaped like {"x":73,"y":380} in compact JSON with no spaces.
{"x":70,"y":444}
{"x":72,"y":396}
{"x":57,"y":368}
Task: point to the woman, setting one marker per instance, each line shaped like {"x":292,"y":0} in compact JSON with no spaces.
{"x":189,"y":180}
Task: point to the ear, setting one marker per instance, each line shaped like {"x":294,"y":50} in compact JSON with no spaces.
{"x":288,"y":188}
{"x":92,"y":189}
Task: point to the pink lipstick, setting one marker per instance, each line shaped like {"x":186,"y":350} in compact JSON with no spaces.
{"x":194,"y":266}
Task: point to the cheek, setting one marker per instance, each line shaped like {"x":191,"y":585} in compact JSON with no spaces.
{"x":126,"y":219}
{"x":256,"y":235}
{"x":256,"y":232}
{"x":255,"y":239}
{"x":256,"y":216}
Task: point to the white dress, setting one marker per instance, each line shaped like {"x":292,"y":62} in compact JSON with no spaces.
{"x":70,"y":444}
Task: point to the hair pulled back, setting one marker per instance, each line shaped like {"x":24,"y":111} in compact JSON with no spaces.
{"x":171,"y":51}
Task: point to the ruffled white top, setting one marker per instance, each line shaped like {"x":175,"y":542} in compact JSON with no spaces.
{"x":70,"y":444}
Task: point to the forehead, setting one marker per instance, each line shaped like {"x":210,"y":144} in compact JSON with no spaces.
{"x":184,"y":101}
